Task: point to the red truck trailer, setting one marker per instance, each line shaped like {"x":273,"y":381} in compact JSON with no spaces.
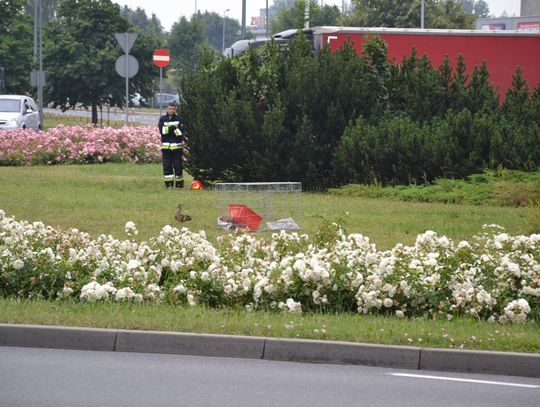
{"x":503,"y":51}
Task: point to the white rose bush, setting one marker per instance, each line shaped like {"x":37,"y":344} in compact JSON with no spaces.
{"x":493,"y":277}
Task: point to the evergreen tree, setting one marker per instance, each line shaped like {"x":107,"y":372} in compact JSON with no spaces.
{"x":137,"y":18}
{"x":480,"y":93}
{"x":477,"y":7}
{"x":516,"y":105}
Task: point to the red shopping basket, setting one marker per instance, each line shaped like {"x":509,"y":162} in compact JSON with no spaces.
{"x":245,"y":216}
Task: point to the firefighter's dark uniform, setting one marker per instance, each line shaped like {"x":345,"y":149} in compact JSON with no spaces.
{"x":171,"y":129}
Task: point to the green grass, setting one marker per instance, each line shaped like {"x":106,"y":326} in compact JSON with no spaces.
{"x":102,"y":198}
{"x":52,"y":120}
{"x":459,"y":333}
{"x":499,"y":188}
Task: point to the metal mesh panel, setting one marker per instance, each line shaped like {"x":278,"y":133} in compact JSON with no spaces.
{"x":269,"y":201}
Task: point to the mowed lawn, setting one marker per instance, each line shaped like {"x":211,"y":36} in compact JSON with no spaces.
{"x":101,"y":198}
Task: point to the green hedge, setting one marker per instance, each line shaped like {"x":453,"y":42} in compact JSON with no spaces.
{"x":333,"y":118}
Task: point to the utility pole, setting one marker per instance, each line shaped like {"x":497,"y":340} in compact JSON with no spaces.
{"x":35,"y":28}
{"x":422,"y":15}
{"x":40,"y":76}
{"x":306,"y":15}
{"x":243,"y":19}
{"x":223,"y":36}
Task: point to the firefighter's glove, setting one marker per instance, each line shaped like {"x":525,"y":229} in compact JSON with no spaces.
{"x":165,"y":130}
{"x":177,"y":132}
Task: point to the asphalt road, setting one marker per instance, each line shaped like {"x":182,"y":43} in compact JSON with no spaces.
{"x":54,"y":377}
{"x":113,"y":114}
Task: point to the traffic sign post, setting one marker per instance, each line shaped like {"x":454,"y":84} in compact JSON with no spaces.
{"x":161,"y":59}
{"x":126,"y":65}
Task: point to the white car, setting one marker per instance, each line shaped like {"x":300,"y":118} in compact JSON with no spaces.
{"x":18,"y":112}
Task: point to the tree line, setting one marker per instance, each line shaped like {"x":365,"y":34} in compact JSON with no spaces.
{"x":79,"y":49}
{"x":334,"y":118}
{"x":79,"y":61}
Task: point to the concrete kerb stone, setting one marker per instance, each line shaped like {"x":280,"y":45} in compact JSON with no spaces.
{"x":316,"y":351}
{"x":190,"y":344}
{"x":293,"y":350}
{"x":57,"y":337}
{"x":500,"y":363}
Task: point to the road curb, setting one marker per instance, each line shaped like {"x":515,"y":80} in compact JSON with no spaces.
{"x":291,"y":350}
{"x":342,"y":353}
{"x":58,"y":337}
{"x":499,"y":363}
{"x":190,"y":344}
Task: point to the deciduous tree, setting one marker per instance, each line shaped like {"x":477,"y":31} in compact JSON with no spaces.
{"x":15,"y":45}
{"x":406,"y":14}
{"x":80,"y":55}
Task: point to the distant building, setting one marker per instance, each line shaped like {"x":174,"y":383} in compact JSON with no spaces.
{"x":528,"y":23}
{"x":257,"y":25}
{"x":530,"y":8}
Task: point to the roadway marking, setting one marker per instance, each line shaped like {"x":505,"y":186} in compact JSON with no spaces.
{"x":455,"y":379}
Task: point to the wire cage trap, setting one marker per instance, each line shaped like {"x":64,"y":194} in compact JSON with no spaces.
{"x":259,"y":206}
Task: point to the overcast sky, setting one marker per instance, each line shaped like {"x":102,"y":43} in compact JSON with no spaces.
{"x":169,"y":11}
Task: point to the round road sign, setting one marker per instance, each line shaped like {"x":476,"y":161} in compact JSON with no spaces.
{"x":161,"y":58}
{"x":132,"y":66}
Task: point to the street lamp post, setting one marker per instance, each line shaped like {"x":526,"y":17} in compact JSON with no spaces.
{"x":223,"y":36}
{"x":422,"y":15}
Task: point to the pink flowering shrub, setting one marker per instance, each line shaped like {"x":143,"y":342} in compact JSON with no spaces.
{"x":80,"y":145}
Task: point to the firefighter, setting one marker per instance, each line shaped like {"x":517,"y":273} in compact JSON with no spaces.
{"x":171,"y":128}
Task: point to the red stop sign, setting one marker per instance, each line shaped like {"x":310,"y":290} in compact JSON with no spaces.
{"x":161,"y":58}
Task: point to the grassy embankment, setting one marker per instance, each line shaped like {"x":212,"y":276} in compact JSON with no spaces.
{"x":101,"y":198}
{"x":457,"y":333}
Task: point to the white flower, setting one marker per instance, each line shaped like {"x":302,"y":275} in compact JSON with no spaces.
{"x":133,"y":264}
{"x":125,"y":293}
{"x":400,"y":314}
{"x":18,"y":264}
{"x":294,"y":306}
{"x":388,"y":302}
{"x":517,"y":310}
{"x":67,"y":291}
{"x":93,"y":291}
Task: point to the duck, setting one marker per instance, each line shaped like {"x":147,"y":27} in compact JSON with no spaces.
{"x":179,"y":216}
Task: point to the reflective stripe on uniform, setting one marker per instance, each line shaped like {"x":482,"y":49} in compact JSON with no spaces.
{"x":171,"y":146}
{"x":176,"y":123}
